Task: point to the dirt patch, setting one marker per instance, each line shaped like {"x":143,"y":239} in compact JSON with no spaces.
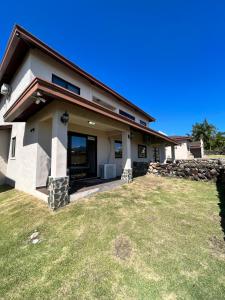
{"x":123,"y":248}
{"x":151,"y":219}
{"x":218,"y":245}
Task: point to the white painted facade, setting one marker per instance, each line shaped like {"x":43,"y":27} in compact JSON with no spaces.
{"x":182,"y":150}
{"x":4,"y":152}
{"x":41,"y":142}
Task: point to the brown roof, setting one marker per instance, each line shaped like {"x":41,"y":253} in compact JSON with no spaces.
{"x":23,"y":108}
{"x":196,"y":144}
{"x":19,"y":44}
{"x":180,"y":138}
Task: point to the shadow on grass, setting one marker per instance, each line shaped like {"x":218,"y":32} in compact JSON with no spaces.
{"x":5,"y":188}
{"x":220,"y":183}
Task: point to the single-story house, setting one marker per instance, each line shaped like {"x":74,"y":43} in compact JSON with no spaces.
{"x":186,"y":148}
{"x":60,"y":125}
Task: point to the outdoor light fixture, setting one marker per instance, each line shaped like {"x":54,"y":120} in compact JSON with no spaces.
{"x":65,"y":118}
{"x":91,"y":123}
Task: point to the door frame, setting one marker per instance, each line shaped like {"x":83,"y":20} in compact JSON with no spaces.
{"x":72,"y":133}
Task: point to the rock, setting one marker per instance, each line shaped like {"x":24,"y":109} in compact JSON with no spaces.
{"x":195,"y":169}
{"x":34,"y":235}
{"x":213,"y":172}
{"x":35,"y":241}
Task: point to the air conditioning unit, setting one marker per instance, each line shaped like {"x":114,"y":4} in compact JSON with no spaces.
{"x":107,"y":171}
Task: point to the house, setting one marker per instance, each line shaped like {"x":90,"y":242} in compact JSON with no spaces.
{"x":60,"y":125}
{"x":186,"y":148}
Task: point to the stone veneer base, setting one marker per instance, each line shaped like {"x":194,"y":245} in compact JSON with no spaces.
{"x":58,"y":192}
{"x":127,"y":175}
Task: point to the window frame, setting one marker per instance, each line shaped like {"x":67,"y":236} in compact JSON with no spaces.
{"x":13,"y":147}
{"x":126,"y":114}
{"x":65,"y":84}
{"x":116,"y":153}
{"x":143,"y":123}
{"x":156,"y":152}
{"x":139,"y":152}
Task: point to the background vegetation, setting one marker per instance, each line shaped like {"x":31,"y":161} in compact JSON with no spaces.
{"x":212,"y":138}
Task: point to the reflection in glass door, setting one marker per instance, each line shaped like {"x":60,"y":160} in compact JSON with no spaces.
{"x":82,"y":156}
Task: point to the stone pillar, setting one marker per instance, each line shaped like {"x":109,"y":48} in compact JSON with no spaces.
{"x":58,"y":183}
{"x":126,"y":160}
{"x":173,"y":153}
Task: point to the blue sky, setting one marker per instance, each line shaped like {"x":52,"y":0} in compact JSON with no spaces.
{"x":168,"y":57}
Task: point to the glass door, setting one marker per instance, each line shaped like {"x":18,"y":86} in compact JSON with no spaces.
{"x":82,"y":156}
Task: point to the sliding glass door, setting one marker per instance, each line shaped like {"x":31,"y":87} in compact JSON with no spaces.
{"x":82,"y":156}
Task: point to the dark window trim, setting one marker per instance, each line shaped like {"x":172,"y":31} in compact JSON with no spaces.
{"x":139,"y":156}
{"x":156,"y":154}
{"x":13,"y":147}
{"x":143,"y":123}
{"x":127,"y":115}
{"x":65,"y":84}
{"x":116,"y":155}
{"x":70,"y":134}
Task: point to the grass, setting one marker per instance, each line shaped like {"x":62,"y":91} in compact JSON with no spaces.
{"x":216,"y":156}
{"x":156,"y":238}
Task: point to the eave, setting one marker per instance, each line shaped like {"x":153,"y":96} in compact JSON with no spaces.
{"x":25,"y":106}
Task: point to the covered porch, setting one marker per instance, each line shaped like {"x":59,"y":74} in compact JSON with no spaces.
{"x":73,"y":147}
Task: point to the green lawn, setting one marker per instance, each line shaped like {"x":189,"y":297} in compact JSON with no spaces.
{"x":216,"y":156}
{"x":156,"y":238}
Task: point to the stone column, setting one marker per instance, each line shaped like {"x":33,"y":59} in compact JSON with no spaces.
{"x":58,"y":184}
{"x":173,"y":153}
{"x":126,"y":160}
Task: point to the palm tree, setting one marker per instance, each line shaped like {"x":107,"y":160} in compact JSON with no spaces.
{"x":204,"y":131}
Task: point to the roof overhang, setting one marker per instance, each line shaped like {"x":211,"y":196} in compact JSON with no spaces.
{"x":25,"y":106}
{"x":181,"y":138}
{"x":5,"y":127}
{"x":19,"y":44}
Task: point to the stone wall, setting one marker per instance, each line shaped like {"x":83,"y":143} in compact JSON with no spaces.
{"x":195,"y":169}
{"x":58,"y":192}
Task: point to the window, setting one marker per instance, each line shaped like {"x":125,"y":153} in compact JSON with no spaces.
{"x":156,"y":154}
{"x":142,"y":151}
{"x":103,"y":103}
{"x":143,"y":123}
{"x":71,"y":87}
{"x":13,"y":147}
{"x":125,"y":114}
{"x":118,"y":149}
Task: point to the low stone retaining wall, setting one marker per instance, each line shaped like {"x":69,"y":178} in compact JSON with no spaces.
{"x":195,"y":169}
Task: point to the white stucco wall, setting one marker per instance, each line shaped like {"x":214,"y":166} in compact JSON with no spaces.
{"x":181,"y":151}
{"x":4,"y":152}
{"x":21,"y":169}
{"x":19,"y":82}
{"x":43,"y":152}
{"x":43,"y":66}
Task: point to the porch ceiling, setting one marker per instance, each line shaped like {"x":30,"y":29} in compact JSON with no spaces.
{"x":84,"y":122}
{"x":25,"y":106}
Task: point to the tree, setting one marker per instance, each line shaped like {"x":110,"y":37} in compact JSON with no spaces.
{"x":218,"y":142}
{"x":204,"y":131}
